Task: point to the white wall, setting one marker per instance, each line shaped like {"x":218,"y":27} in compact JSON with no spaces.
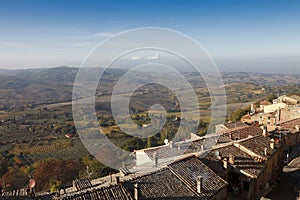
{"x":142,"y":157}
{"x":274,"y":107}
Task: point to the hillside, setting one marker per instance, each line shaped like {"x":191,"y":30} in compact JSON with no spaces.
{"x":32,"y":87}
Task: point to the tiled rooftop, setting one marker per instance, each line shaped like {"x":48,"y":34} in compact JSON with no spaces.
{"x":242,"y":160}
{"x":224,"y":139}
{"x":82,"y":183}
{"x":258,"y":144}
{"x":235,"y":125}
{"x":296,"y":97}
{"x":178,"y":180}
{"x":190,"y":168}
{"x":265,"y":103}
{"x":161,"y":184}
{"x":291,"y":124}
{"x":175,"y":181}
{"x":106,"y":193}
{"x":216,"y":166}
{"x":242,"y":132}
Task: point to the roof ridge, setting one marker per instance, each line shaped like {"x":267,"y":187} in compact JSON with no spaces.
{"x":238,"y":128}
{"x":234,"y":142}
{"x":146,"y":174}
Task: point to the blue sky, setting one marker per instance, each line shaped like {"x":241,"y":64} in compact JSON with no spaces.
{"x":240,"y":35}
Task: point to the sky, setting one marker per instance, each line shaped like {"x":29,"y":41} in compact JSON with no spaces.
{"x":239,"y":35}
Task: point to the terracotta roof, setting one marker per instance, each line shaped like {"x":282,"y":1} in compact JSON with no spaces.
{"x":290,"y":124}
{"x":106,"y":193}
{"x":190,"y":168}
{"x":247,"y":116}
{"x":216,"y":166}
{"x":82,"y":183}
{"x":224,"y":139}
{"x":296,"y":97}
{"x":265,"y":102}
{"x":237,"y":133}
{"x":257,"y":145}
{"x":21,"y":198}
{"x":161,"y":184}
{"x":242,"y":160}
{"x":242,"y":132}
{"x":235,"y":124}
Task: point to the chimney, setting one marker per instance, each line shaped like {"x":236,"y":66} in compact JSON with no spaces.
{"x":272,"y":144}
{"x":231,"y":159}
{"x":297,"y":127}
{"x":199,"y":184}
{"x":202,"y":147}
{"x":118,"y":180}
{"x":279,"y":115}
{"x":171,"y":144}
{"x":179,"y":146}
{"x":219,"y":157}
{"x":266,"y":151}
{"x":155,"y":158}
{"x":252,"y":109}
{"x":260,"y":120}
{"x":225,"y":163}
{"x":110,"y":176}
{"x":136,"y":191}
{"x":264,"y":133}
{"x":230,"y":135}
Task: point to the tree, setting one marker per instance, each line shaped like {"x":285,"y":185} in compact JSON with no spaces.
{"x":270,"y":97}
{"x":54,"y":185}
{"x":3,"y":166}
{"x":132,"y":143}
{"x":14,"y":179}
{"x":238,"y":114}
{"x":151,"y":141}
{"x":94,"y":169}
{"x":58,"y":171}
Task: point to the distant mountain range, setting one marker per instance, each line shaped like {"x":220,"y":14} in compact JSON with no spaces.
{"x":30,"y":87}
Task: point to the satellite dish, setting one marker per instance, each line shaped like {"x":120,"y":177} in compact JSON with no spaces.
{"x":31,"y":183}
{"x":166,"y":141}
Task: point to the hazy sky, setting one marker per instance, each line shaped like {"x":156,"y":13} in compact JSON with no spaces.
{"x":240,"y":35}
